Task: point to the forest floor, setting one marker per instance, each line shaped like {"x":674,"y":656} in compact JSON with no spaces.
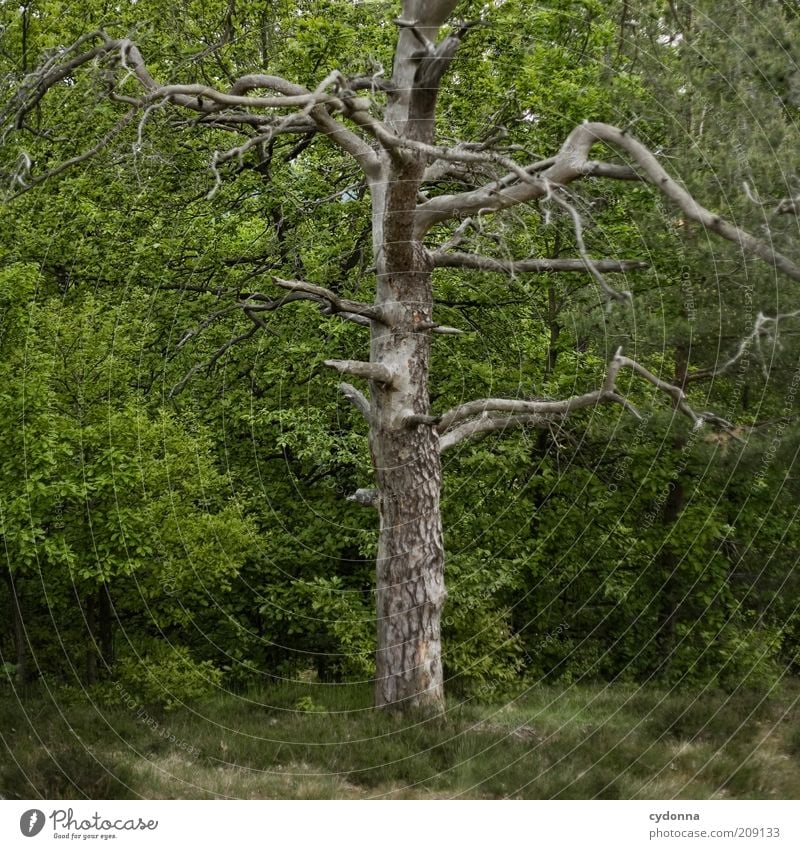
{"x":323,"y":741}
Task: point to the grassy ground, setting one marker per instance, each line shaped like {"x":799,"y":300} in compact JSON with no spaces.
{"x":317,"y":741}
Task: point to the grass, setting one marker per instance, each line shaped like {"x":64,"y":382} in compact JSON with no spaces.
{"x":316,"y":741}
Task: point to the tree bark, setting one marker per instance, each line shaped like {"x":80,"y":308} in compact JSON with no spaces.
{"x":410,"y":572}
{"x":410,"y":562}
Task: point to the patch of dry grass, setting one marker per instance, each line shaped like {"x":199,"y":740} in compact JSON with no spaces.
{"x":573,"y":742}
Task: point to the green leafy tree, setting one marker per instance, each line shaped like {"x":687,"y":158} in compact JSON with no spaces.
{"x":108,"y":506}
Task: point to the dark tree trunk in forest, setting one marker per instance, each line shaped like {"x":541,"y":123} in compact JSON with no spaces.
{"x":673,"y":592}
{"x":90,"y":615}
{"x":20,"y":637}
{"x":106,"y":626}
{"x":99,"y":613}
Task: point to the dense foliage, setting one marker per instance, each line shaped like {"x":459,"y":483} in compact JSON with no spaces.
{"x":166,"y":509}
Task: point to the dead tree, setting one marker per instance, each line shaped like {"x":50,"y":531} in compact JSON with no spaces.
{"x":397,"y":151}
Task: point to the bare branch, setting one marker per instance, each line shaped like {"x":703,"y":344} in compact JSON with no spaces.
{"x":677,"y":394}
{"x":488,"y":423}
{"x":50,"y":73}
{"x":75,"y":160}
{"x":444,"y":259}
{"x":365,"y":498}
{"x":369,"y":371}
{"x":582,"y":139}
{"x":201,"y":98}
{"x":464,"y":154}
{"x":783,"y":206}
{"x":520,"y":185}
{"x":356,"y":398}
{"x":292,"y":95}
{"x":256,"y":302}
{"x":441,"y":329}
{"x":348,"y":142}
{"x":335,"y":303}
{"x":434,"y":66}
{"x":373,"y":83}
{"x":351,"y":317}
{"x":572,"y":163}
{"x":211,"y":362}
{"x":764,"y":325}
{"x":209,"y":102}
{"x":481,"y":416}
{"x":788,"y":206}
{"x":331,"y":304}
{"x":509,"y":405}
{"x":591,"y":267}
{"x":207,"y":322}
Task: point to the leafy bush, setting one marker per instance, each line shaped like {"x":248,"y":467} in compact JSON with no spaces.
{"x":165,"y":675}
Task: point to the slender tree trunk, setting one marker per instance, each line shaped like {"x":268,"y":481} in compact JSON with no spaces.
{"x":106,"y":626}
{"x":20,"y":638}
{"x":673,"y":592}
{"x":90,"y":612}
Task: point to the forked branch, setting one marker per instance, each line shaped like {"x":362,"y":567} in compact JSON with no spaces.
{"x":487,"y":415}
{"x":334,"y":303}
{"x":235,"y":109}
{"x":572,"y":163}
{"x":764,"y":326}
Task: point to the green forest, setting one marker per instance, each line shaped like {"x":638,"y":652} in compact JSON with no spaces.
{"x":186,"y":484}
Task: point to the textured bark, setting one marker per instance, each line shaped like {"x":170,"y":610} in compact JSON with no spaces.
{"x":410,"y":564}
{"x":410,"y":570}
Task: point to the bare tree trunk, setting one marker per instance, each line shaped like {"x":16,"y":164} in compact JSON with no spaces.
{"x":410,"y":563}
{"x":410,"y":572}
